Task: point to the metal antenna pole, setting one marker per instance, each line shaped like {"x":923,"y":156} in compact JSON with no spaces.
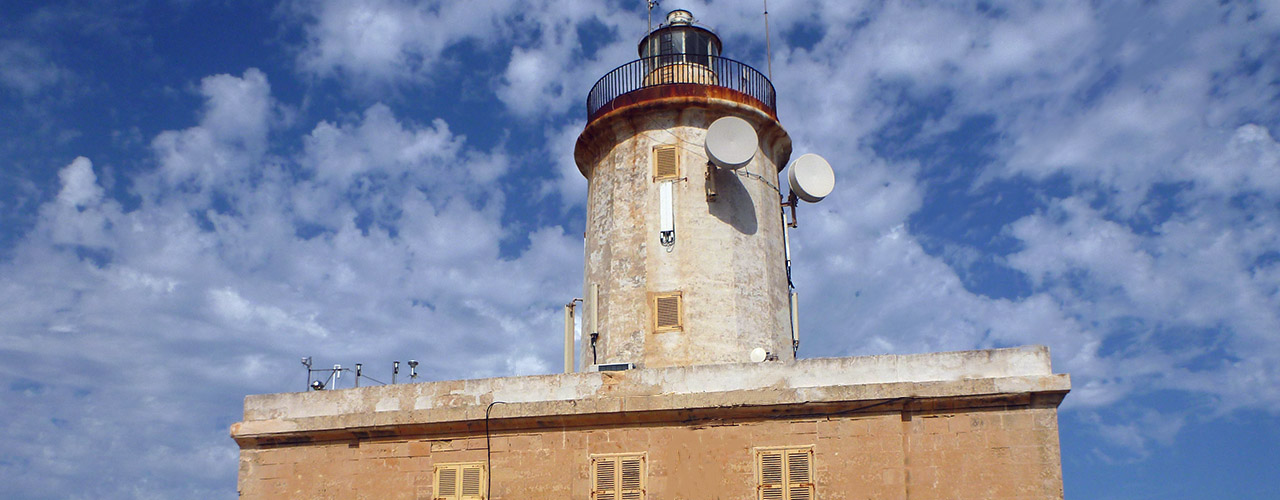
{"x":651,"y":4}
{"x":768,"y":48}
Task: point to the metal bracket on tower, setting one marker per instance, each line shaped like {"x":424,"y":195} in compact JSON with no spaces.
{"x":792,"y":201}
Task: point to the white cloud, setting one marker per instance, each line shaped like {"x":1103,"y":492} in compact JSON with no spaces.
{"x":382,"y":239}
{"x":231,"y":306}
{"x":378,"y":145}
{"x":367,"y":39}
{"x":1154,"y":265}
{"x":551,"y":74}
{"x":27,"y":69}
{"x":79,"y":184}
{"x":231,"y":136}
{"x":372,"y":43}
{"x":378,"y":44}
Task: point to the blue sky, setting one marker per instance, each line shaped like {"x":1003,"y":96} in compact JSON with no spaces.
{"x":195,"y":194}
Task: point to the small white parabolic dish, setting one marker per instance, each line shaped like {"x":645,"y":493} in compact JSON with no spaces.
{"x":758,"y":355}
{"x":811,"y":178}
{"x":731,"y":142}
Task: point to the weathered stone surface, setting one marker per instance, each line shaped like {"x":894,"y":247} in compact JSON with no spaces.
{"x":728,"y":257}
{"x":1014,"y":370}
{"x":898,"y":454}
{"x":961,"y":425}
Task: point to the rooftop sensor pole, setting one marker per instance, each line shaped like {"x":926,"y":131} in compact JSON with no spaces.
{"x":568,"y":335}
{"x":768,"y":49}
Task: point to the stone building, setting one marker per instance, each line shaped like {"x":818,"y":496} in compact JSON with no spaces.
{"x":687,"y":386}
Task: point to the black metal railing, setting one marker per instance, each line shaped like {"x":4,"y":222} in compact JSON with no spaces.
{"x":680,"y":68}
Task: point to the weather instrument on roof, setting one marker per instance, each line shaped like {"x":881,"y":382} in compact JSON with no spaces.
{"x":731,"y":142}
{"x":811,"y":178}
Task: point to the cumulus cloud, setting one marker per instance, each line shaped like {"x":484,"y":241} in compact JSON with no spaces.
{"x":79,"y":184}
{"x":231,"y":136}
{"x":371,"y":44}
{"x":1152,"y":271}
{"x":378,"y":241}
{"x":376,"y":44}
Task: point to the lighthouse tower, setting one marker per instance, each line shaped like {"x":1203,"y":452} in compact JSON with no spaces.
{"x":686,"y":280}
{"x":685,"y":260}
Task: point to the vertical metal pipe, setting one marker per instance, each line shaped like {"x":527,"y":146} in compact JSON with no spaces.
{"x":594,"y":311}
{"x":768,"y":48}
{"x":795,"y":324}
{"x":568,"y":337}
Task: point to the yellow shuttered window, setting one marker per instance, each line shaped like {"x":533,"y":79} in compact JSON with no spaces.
{"x":666,"y":164}
{"x":460,"y":481}
{"x":785,"y":473}
{"x":618,"y":477}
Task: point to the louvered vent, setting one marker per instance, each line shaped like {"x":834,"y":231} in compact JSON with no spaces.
{"x":446,"y":482}
{"x":606,"y":479}
{"x":618,"y":477}
{"x":668,"y":311}
{"x":798,"y":466}
{"x":632,"y":478}
{"x":785,"y":473}
{"x":471,"y":487}
{"x":460,"y":481}
{"x":665,"y":163}
{"x":799,"y":477}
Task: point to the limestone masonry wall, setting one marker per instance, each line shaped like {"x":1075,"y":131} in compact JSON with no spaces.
{"x":1009,"y":453}
{"x":960,"y":425}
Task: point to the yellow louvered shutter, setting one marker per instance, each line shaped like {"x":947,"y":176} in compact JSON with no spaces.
{"x":446,"y":482}
{"x":666,"y":165}
{"x":772,"y":476}
{"x":785,"y":474}
{"x":800,"y":474}
{"x":618,"y":477}
{"x":472,"y":483}
{"x":460,"y":481}
{"x":631,"y":477}
{"x":667,"y":312}
{"x":606,"y":479}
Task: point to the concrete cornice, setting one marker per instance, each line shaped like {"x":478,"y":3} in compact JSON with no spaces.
{"x":806,"y":387}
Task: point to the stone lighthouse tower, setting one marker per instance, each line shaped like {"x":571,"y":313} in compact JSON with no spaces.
{"x":686,"y":281}
{"x":685,"y":258}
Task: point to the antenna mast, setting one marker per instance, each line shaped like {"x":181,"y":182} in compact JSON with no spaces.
{"x":768,"y":49}
{"x":652,"y":4}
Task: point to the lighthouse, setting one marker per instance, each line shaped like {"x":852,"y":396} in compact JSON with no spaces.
{"x":686,"y":383}
{"x":685,"y":258}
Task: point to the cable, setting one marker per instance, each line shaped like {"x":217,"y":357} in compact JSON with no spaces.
{"x":488,"y":452}
{"x":761,"y":178}
{"x":374,"y":379}
{"x":680,"y":143}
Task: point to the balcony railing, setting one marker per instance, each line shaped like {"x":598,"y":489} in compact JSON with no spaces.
{"x":680,"y":68}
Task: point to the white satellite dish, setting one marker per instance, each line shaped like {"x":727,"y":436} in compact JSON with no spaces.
{"x":731,"y":142}
{"x":811,"y":178}
{"x":758,"y":355}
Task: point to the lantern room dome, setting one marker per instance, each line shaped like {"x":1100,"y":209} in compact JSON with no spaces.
{"x":680,"y":36}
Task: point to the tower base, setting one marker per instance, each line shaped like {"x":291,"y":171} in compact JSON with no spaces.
{"x":972,"y":424}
